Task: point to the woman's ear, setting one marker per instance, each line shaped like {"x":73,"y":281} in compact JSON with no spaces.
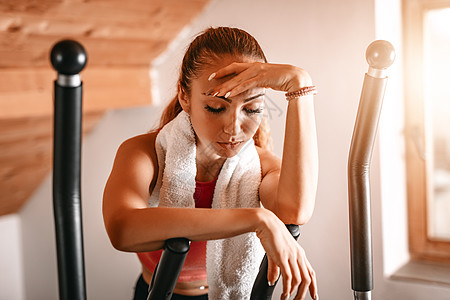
{"x":184,"y":99}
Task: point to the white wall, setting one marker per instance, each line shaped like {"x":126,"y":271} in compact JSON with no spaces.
{"x":11,"y":268}
{"x":328,"y":38}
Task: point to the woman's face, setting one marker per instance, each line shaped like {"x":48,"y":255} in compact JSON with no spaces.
{"x":223,"y":126}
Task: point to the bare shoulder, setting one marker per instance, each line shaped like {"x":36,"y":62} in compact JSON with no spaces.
{"x":137,"y":154}
{"x":269,"y":161}
{"x":131,"y":177}
{"x":135,"y":168}
{"x":144,"y":142}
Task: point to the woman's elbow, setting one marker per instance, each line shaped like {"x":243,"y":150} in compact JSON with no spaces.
{"x":296,"y":217}
{"x":295,"y":214}
{"x":115,"y":234}
{"x":124,"y":235}
{"x":116,"y":228}
{"x":303,"y":217}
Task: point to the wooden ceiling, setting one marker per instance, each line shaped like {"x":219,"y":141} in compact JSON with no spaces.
{"x":122,"y":38}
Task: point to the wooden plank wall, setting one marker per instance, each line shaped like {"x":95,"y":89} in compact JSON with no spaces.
{"x":121,"y":38}
{"x":26,"y":156}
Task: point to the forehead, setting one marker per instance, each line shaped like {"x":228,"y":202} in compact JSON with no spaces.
{"x":219,"y":62}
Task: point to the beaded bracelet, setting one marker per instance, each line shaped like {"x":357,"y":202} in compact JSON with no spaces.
{"x":305,"y":91}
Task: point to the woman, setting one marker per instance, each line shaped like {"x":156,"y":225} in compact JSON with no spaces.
{"x":202,"y":157}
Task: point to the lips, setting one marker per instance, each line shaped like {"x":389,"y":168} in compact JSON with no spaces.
{"x":229,"y":145}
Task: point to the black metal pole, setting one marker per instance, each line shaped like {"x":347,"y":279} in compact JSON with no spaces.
{"x":380,"y":55}
{"x":68,"y":58}
{"x":168,"y":269}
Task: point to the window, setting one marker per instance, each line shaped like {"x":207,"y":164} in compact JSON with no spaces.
{"x":427,"y":126}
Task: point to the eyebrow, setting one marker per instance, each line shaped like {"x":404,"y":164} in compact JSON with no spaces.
{"x":246,"y":100}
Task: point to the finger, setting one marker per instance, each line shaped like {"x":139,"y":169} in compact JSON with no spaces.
{"x":249,"y":84}
{"x":306,"y":279}
{"x":233,"y":68}
{"x":237,"y":84}
{"x":296,"y":277}
{"x":313,"y":290}
{"x":287,"y":277}
{"x":273,"y":272}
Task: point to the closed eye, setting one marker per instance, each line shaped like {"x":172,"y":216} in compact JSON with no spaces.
{"x":214,"y":110}
{"x":254,"y":111}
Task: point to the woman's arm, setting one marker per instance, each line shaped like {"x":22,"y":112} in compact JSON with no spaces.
{"x":299,"y":169}
{"x":132,"y":226}
{"x":287,"y":188}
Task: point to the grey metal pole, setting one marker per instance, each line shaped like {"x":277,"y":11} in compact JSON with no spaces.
{"x":68,"y":58}
{"x":380,"y":55}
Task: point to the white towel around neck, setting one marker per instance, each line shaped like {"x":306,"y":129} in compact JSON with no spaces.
{"x":233,"y":263}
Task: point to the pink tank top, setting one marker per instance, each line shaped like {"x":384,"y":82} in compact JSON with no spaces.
{"x":194,"y":267}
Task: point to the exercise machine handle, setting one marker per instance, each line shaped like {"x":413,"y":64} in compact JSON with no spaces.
{"x":68,"y":59}
{"x":380,"y":55}
{"x":171,"y":262}
{"x":168,"y":269}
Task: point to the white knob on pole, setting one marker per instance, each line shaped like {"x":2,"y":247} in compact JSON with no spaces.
{"x":380,"y":55}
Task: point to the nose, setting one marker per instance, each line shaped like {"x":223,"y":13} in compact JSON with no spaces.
{"x":233,"y":126}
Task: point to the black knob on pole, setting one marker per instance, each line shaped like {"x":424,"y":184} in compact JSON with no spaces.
{"x":68,"y":57}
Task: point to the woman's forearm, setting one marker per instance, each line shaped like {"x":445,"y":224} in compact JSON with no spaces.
{"x":138,"y":230}
{"x":299,"y":168}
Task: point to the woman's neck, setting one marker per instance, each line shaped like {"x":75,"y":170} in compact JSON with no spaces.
{"x":208,"y":168}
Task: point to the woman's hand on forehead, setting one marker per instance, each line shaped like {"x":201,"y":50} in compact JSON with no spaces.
{"x":253,"y":75}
